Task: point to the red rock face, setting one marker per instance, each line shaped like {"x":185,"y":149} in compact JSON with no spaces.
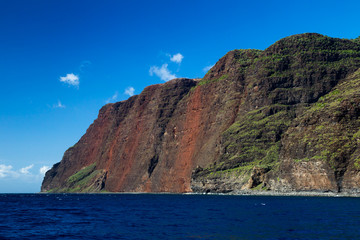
{"x":134,"y":151}
{"x":178,"y":158}
{"x":127,"y":139}
{"x":152,"y":142}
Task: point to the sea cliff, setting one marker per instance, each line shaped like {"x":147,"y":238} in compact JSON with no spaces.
{"x":285,"y":119}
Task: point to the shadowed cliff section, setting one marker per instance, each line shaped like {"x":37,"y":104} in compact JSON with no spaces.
{"x":248,"y":124}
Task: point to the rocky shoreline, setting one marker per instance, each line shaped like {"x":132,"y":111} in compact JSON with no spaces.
{"x":239,"y":193}
{"x":294,"y":193}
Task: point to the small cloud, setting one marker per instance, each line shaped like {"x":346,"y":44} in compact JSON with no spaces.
{"x":71,"y":79}
{"x":129,"y":91}
{"x":8,"y":173}
{"x":25,"y":170}
{"x":207,"y":68}
{"x":163,"y":72}
{"x":177,"y":58}
{"x":44,"y":169}
{"x":5,"y":170}
{"x":113,"y":98}
{"x":59,"y":105}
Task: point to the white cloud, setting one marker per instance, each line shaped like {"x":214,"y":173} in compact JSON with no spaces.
{"x":59,"y":105}
{"x":5,"y":170}
{"x":163,"y":72}
{"x":130,"y":91}
{"x":113,"y":98}
{"x":71,"y":79}
{"x":177,"y":58}
{"x":25,"y":170}
{"x":22,"y":179}
{"x":44,"y":169}
{"x":207,"y":68}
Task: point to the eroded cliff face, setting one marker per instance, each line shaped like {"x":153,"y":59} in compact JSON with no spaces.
{"x":124,"y":142}
{"x":283,"y":119}
{"x":321,"y":146}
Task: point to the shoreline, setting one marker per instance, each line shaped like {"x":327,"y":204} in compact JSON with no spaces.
{"x":236,"y":193}
{"x":294,"y":193}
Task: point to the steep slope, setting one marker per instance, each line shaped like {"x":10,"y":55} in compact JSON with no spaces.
{"x":152,"y":142}
{"x":321,"y":147}
{"x":248,"y":124}
{"x":123,"y":134}
{"x":288,"y":78}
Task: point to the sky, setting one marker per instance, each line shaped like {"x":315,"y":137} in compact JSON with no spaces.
{"x":62,"y":60}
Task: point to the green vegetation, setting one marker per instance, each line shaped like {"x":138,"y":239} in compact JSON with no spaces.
{"x":208,"y":81}
{"x":357,"y":163}
{"x":333,"y":134}
{"x":356,"y":40}
{"x":252,"y":141}
{"x":356,"y":136}
{"x":83,"y":173}
{"x":81,"y":181}
{"x":260,"y":187}
{"x":295,"y":75}
{"x":86,"y":180}
{"x":245,"y":58}
{"x":242,"y":59}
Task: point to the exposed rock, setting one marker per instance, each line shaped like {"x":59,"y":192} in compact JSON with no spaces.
{"x":283,"y":119}
{"x":257,"y":178}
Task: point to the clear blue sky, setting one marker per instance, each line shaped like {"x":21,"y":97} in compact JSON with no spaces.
{"x":61,"y":60}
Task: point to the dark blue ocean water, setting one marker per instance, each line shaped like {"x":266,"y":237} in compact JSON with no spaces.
{"x":167,"y":216}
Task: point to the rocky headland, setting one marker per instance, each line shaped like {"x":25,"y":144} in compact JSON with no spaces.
{"x":282,"y":120}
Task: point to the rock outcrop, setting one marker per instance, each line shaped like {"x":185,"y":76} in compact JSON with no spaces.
{"x":283,"y":119}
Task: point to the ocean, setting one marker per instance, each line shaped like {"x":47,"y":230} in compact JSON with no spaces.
{"x":172,"y":216}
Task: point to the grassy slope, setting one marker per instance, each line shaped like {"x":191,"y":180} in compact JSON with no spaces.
{"x":81,"y":181}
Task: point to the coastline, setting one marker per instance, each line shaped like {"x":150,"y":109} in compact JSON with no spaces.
{"x":240,"y":193}
{"x":294,"y":193}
